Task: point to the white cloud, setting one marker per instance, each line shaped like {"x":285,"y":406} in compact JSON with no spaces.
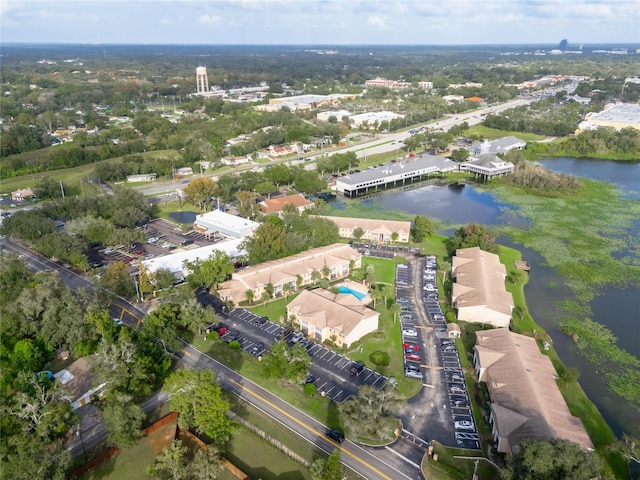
{"x":209,"y":20}
{"x":376,"y":21}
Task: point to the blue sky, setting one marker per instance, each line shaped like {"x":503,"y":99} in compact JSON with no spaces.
{"x":334,"y":22}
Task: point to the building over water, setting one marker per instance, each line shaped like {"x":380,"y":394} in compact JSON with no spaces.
{"x":392,"y":175}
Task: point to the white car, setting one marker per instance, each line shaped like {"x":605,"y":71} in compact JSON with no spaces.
{"x":153,"y":240}
{"x":109,"y":250}
{"x":409,"y":332}
{"x":463,"y":425}
{"x":412,"y":373}
{"x":117,"y":321}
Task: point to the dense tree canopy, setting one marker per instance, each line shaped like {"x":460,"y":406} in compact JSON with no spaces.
{"x":472,"y":235}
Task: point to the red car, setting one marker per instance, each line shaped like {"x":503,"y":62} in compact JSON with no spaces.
{"x":140,"y":252}
{"x":413,"y":356}
{"x":410,"y":346}
{"x":222,"y":331}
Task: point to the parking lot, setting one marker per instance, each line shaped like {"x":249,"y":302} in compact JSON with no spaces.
{"x":162,"y":237}
{"x":330,"y":369}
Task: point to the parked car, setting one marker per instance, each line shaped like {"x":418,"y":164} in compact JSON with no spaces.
{"x":117,"y":321}
{"x":336,"y":435}
{"x":408,"y":372}
{"x":357,"y":368}
{"x":458,"y":390}
{"x":108,"y":250}
{"x":413,"y":356}
{"x":460,"y":403}
{"x":286,"y":333}
{"x":184,"y":243}
{"x":456,"y":378}
{"x":411,"y":346}
{"x":409,"y":332}
{"x":463,"y":425}
{"x":296,"y":337}
{"x":449,"y":348}
{"x":153,"y":240}
{"x":311,"y":378}
{"x":230,"y":336}
{"x":222,"y":330}
{"x":256,"y":349}
{"x":260,"y":321}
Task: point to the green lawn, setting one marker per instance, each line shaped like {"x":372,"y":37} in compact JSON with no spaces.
{"x":493,"y":133}
{"x":448,"y":467}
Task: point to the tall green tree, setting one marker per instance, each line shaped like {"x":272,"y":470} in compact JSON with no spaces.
{"x":199,"y":191}
{"x":268,"y":241}
{"x":122,"y":419}
{"x":552,"y":460}
{"x":163,"y":323}
{"x":290,"y":365}
{"x":201,"y":403}
{"x":473,"y":235}
{"x":329,"y":469}
{"x":117,"y":279}
{"x":422,"y":228}
{"x":210,"y":272}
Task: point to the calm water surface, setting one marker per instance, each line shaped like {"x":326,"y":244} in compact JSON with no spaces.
{"x":617,"y":309}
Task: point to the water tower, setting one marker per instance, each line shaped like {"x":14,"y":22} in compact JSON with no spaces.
{"x":202,"y":81}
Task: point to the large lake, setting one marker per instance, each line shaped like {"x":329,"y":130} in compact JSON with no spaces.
{"x":617,"y":309}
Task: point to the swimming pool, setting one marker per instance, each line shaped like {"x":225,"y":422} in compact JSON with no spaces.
{"x":358,"y":295}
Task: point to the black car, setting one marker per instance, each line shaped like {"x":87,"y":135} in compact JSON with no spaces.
{"x":286,"y":333}
{"x":230,"y":336}
{"x":260,"y":321}
{"x":356,"y":368}
{"x":184,"y":243}
{"x":310,"y":379}
{"x":256,"y":349}
{"x":336,"y":435}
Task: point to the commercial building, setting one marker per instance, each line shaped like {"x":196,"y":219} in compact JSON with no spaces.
{"x":276,"y":205}
{"x":333,"y":261}
{"x":217,"y":222}
{"x":374,"y":230}
{"x":338,"y":114}
{"x":175,"y":262}
{"x":479,"y":293}
{"x":500,"y":145}
{"x":341,"y":318}
{"x":372,"y":119}
{"x":202,"y":81}
{"x":403,"y":172}
{"x":304,"y":102}
{"x":526,"y":402}
{"x":616,"y":116}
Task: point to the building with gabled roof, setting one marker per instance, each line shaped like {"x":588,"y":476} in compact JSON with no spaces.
{"x":526,"y":402}
{"x":500,"y":145}
{"x":339,"y":317}
{"x":294,"y":271}
{"x":375,"y":230}
{"x":487,"y":165}
{"x":276,"y":205}
{"x":479,"y":293}
{"x":21,"y":194}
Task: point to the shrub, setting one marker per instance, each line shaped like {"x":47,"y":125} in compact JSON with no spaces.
{"x":380,"y":358}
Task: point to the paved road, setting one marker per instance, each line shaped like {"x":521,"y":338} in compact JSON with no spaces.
{"x":383,"y":463}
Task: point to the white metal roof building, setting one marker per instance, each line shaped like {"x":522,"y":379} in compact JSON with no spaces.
{"x":618,"y":116}
{"x":373,"y":117}
{"x":399,"y":173}
{"x":175,"y":262}
{"x":500,"y":145}
{"x":220,"y":222}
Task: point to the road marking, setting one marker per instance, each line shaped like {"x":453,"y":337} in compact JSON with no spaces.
{"x":410,"y":462}
{"x":310,"y":429}
{"x":186,"y":353}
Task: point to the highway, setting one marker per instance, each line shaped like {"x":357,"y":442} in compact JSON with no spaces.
{"x":370,"y":463}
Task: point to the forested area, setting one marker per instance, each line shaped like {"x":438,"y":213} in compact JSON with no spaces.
{"x":40,"y":318}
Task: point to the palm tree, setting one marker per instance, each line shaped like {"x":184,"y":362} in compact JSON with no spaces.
{"x":395,"y":308}
{"x":286,"y":289}
{"x":250,"y":296}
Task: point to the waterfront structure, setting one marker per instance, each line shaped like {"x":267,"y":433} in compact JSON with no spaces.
{"x":525,"y":400}
{"x":478,"y":292}
{"x":339,"y":317}
{"x":374,"y":230}
{"x":218,"y":222}
{"x":334,"y":261}
{"x":616,"y":116}
{"x":487,"y":166}
{"x":202,"y":81}
{"x":396,"y":174}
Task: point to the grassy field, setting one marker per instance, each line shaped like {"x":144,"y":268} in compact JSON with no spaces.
{"x":456,"y":463}
{"x":70,"y":176}
{"x":492,"y":133}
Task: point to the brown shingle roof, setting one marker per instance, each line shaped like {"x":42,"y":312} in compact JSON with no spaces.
{"x":276,"y":205}
{"x":526,"y":400}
